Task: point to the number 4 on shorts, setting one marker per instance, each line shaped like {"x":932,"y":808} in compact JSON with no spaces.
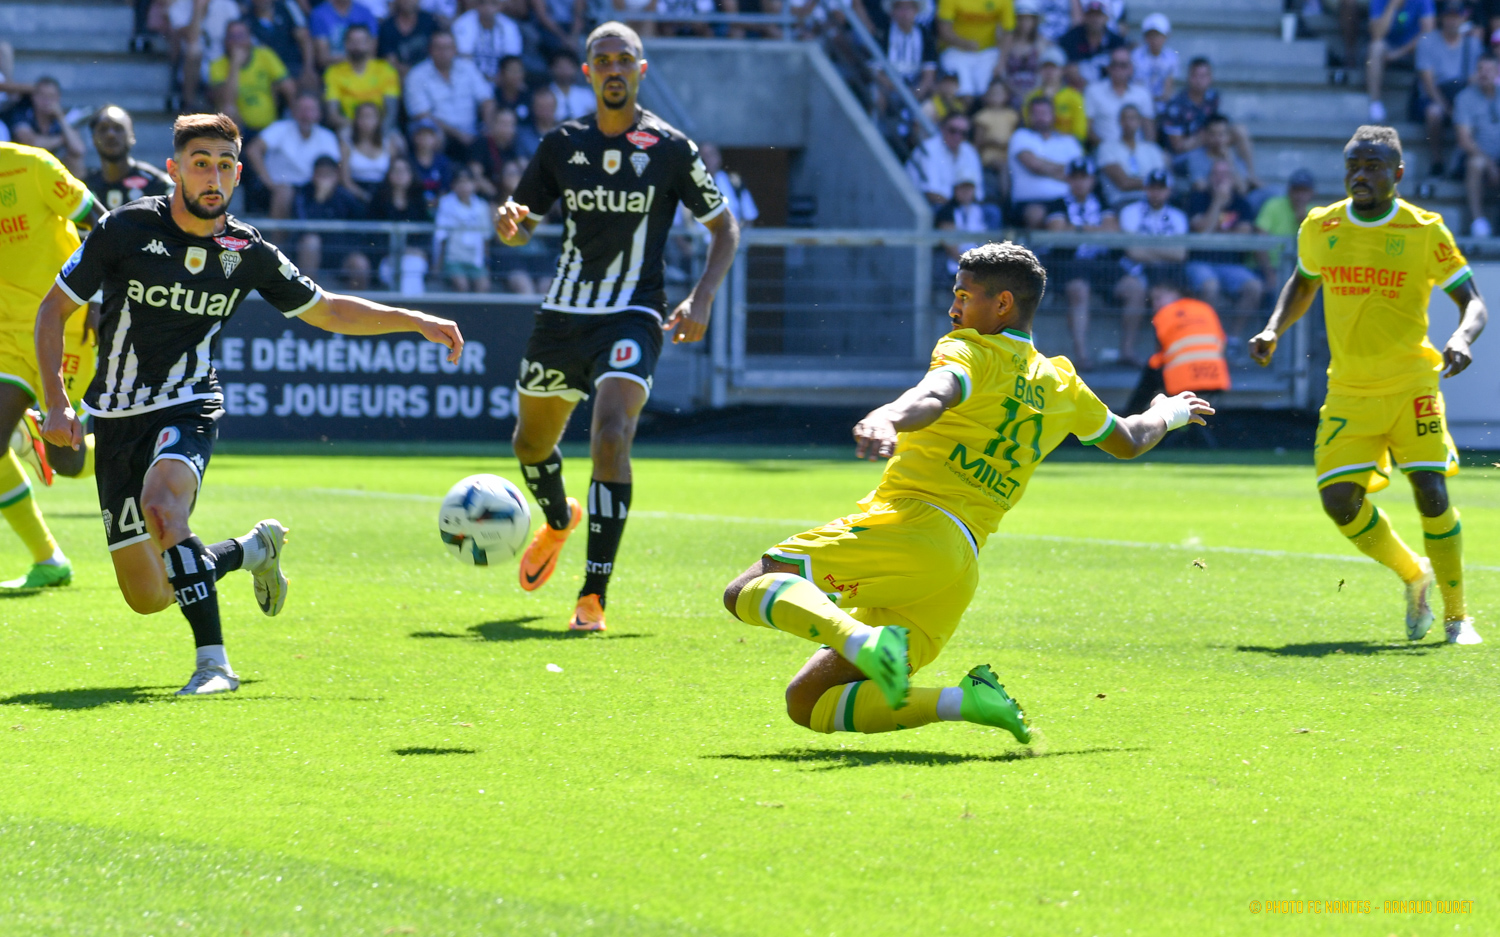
{"x":130,"y":518}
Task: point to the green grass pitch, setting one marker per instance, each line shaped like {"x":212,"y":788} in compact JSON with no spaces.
{"x":403,"y":760}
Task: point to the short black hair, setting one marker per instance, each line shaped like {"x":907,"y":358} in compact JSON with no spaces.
{"x":614,"y":29}
{"x":1199,"y":60}
{"x":347,"y":29}
{"x":1215,"y":119}
{"x":1378,"y":135}
{"x":189,"y":127}
{"x":1006,"y":265}
{"x":104,"y":111}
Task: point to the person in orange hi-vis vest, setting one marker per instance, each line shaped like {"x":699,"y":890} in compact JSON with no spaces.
{"x":1191,"y":348}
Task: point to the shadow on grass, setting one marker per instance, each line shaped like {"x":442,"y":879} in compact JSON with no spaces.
{"x":90,"y":697}
{"x":1326,"y":648}
{"x":515,"y":629}
{"x":825,"y":760}
{"x":403,"y":752}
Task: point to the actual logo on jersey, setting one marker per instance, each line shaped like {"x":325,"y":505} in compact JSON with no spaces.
{"x":156,"y":247}
{"x":196,"y":259}
{"x":1395,"y":244}
{"x":627,"y":351}
{"x":229,"y":260}
{"x":232,"y":244}
{"x":578,"y":159}
{"x":611,"y":161}
{"x":642,"y":139}
{"x":8,"y":194}
{"x":1425,"y":406}
{"x":640,"y":161}
{"x":168,"y":436}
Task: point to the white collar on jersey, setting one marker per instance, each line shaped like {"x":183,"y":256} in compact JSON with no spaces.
{"x":1017,"y":334}
{"x":1349,"y":213}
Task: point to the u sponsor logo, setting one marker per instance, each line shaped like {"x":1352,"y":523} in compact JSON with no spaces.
{"x":167,"y":437}
{"x":626,"y":352}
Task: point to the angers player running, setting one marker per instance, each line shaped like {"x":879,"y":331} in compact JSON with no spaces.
{"x":173,"y":270}
{"x":620,"y":174}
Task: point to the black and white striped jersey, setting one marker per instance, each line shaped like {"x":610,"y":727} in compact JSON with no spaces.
{"x":167,"y":294}
{"x":619,"y":196}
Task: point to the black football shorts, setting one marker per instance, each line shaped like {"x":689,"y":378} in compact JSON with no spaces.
{"x":570,"y":353}
{"x":127,"y":447}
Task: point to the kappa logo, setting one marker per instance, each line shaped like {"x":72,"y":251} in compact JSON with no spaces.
{"x":639,"y":161}
{"x":230,"y":261}
{"x":627,"y":351}
{"x":578,"y":159}
{"x":612,"y":161}
{"x":196,"y":259}
{"x":156,"y":247}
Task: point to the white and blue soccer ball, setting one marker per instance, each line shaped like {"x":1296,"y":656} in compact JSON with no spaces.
{"x":484,"y":520}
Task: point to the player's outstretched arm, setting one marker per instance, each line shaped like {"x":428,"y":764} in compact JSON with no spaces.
{"x":352,"y":315}
{"x":1137,"y":435}
{"x":1291,"y":305}
{"x":1457,"y":354}
{"x":513,"y":224}
{"x":875,"y":435}
{"x":61,"y":427}
{"x":689,"y":321}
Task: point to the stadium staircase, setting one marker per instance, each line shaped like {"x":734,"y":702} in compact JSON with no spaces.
{"x":85,"y":45}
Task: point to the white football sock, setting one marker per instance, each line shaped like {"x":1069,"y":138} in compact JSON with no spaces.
{"x":255,"y":551}
{"x":214,"y":653}
{"x":56,"y":559}
{"x":854,"y":642}
{"x":950,"y":704}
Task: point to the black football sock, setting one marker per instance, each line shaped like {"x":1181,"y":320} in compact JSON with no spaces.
{"x":228,"y":556}
{"x":545,"y":480}
{"x":609,"y":503}
{"x":190,"y":570}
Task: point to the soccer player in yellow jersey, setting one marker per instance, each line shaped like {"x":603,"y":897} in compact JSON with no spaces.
{"x":884,"y":589}
{"x":39,"y":201}
{"x":1377,"y":258}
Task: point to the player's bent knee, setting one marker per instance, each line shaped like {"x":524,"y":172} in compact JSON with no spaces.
{"x":1342,"y":502}
{"x":800,"y":702}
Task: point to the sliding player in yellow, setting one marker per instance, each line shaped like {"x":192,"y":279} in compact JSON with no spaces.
{"x":1377,"y":258}
{"x":884,"y":589}
{"x":39,"y":201}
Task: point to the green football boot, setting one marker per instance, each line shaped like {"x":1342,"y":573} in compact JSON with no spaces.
{"x":883,"y":659}
{"x":987,"y":703}
{"x":41,"y":576}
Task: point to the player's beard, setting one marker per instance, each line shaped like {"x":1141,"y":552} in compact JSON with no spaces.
{"x":626,"y":99}
{"x":197,"y":210}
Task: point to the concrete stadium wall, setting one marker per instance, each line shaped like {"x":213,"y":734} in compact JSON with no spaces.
{"x":1473,"y":397}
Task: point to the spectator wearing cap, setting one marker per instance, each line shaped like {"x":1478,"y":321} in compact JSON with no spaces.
{"x":330,"y":20}
{"x":485,"y":35}
{"x":1146,"y":266}
{"x":1069,"y":114}
{"x":283,"y":155}
{"x":281,"y":26}
{"x":450,"y":92}
{"x":1023,"y":57}
{"x":1126,"y":161}
{"x":1446,"y":57}
{"x":360,"y":78}
{"x":433,"y":169}
{"x":1039,"y":158}
{"x":1476,"y":123}
{"x":573,"y":100}
{"x":404,"y":35}
{"x":1395,"y":27}
{"x":1089,"y":44}
{"x":1282,"y":214}
{"x":942,"y":160}
{"x":1156,"y":64}
{"x":971,"y":33}
{"x":1104,"y":98}
{"x":1089,"y":269}
{"x":910,"y":47}
{"x":1221,"y":209}
{"x":325,"y":198}
{"x":965,"y":213}
{"x":945,"y":99}
{"x":246,"y":81}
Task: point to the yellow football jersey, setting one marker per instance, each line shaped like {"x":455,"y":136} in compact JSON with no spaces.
{"x":1377,"y":277}
{"x":39,"y":201}
{"x":1015,"y":407}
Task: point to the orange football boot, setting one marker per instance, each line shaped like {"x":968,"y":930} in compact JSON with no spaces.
{"x":588,"y":616}
{"x":31,"y":423}
{"x":540,"y":559}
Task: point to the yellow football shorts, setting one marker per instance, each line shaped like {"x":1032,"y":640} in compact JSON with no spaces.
{"x":906,"y":563}
{"x":18,"y":347}
{"x":1361,"y":438}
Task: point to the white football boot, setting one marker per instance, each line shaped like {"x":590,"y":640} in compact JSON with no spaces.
{"x":210,"y":678}
{"x":1462,"y":632}
{"x":270,"y":581}
{"x":1418,"y":613}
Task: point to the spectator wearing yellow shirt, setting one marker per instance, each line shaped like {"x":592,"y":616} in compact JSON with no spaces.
{"x":245,"y":81}
{"x":361,"y":78}
{"x":973,"y":33}
{"x":1067,"y":104}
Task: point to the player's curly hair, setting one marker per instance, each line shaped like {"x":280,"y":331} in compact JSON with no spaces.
{"x":1381,"y":136}
{"x":192,"y":126}
{"x":614,"y":30}
{"x":1006,"y":265}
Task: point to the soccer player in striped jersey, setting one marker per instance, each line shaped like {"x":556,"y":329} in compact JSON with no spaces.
{"x":620,"y":174}
{"x":883,"y":589}
{"x":173,"y":270}
{"x":1377,"y":258}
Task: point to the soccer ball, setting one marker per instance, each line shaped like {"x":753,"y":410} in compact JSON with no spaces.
{"x":484,"y":520}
